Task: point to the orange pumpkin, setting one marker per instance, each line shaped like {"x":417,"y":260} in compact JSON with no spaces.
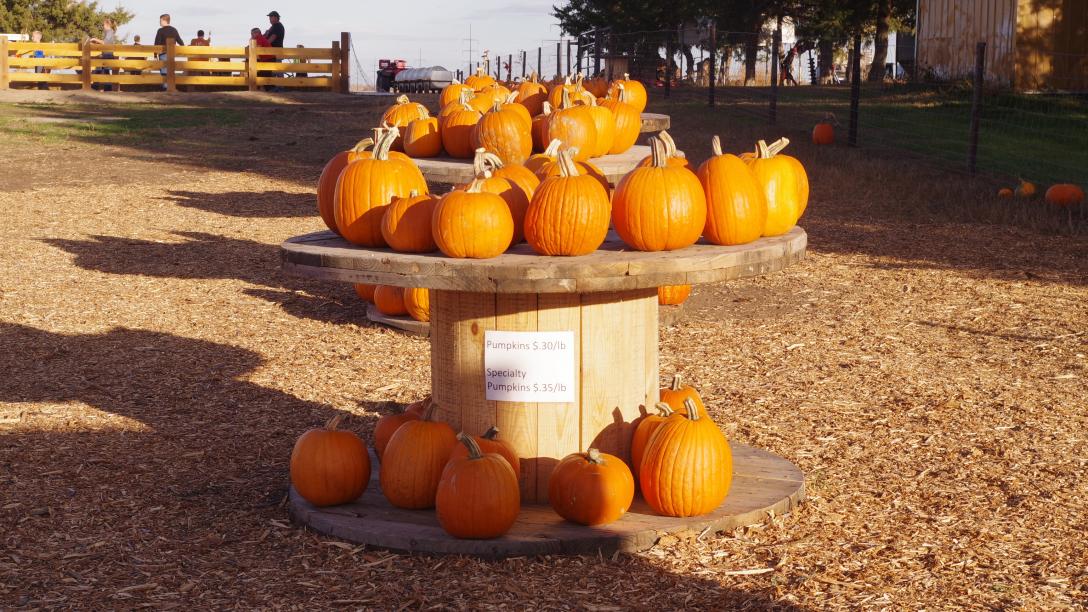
{"x":505,"y":133}
{"x":417,"y":301}
{"x":659,"y":208}
{"x":552,"y":168}
{"x":366,"y":292}
{"x":687,"y":467}
{"x":539,"y":128}
{"x":823,"y":133}
{"x":548,"y":155}
{"x":736,"y":208}
{"x":490,"y":443}
{"x":519,"y":175}
{"x":484,"y":166}
{"x":367,"y":186}
{"x":387,"y":426}
{"x":390,"y":300}
{"x":532,"y":93}
{"x":464,"y":98}
{"x":673,"y":155}
{"x":472,"y":223}
{"x":326,"y":188}
{"x":1026,"y":189}
{"x":452,"y":93}
{"x":420,"y":407}
{"x":456,"y":130}
{"x":329,"y":466}
{"x":1004,"y":192}
{"x":628,"y":122}
{"x":784,"y":183}
{"x":512,"y":104}
{"x":551,"y":228}
{"x":636,"y":92}
{"x":575,"y":126}
{"x":644,"y":430}
{"x":413,"y":461}
{"x":406,"y":224}
{"x":573,"y":90}
{"x":477,"y":495}
{"x":677,"y":394}
{"x":673,"y":295}
{"x":479,"y":80}
{"x":1064,"y":195}
{"x":401,"y":114}
{"x":591,"y":488}
{"x":605,"y":124}
{"x":422,"y":139}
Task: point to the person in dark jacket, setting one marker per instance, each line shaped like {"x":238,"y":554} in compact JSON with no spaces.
{"x":275,"y":32}
{"x":166,"y":31}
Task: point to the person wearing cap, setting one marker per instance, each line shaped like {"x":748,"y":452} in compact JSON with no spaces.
{"x":275,"y":32}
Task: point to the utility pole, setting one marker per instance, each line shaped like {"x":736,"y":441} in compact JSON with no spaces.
{"x":471,"y":52}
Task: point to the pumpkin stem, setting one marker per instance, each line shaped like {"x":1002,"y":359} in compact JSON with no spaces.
{"x":512,"y":98}
{"x":660,"y":157}
{"x":473,"y":447}
{"x":566,"y":97}
{"x":716,"y":145}
{"x":664,"y":409}
{"x":546,"y":109}
{"x":402,"y":99}
{"x":627,"y":76}
{"x":552,"y":149}
{"x":767,"y":151}
{"x":476,"y":186}
{"x":384,"y":142}
{"x":480,"y":167}
{"x":496,"y":106}
{"x":362,"y":145}
{"x":334,"y":422}
{"x":465,"y":95}
{"x":567,"y":167}
{"x":534,"y":77}
{"x":677,"y":382}
{"x":413,"y":193}
{"x":594,"y":456}
{"x":693,"y":411}
{"x":428,"y":410}
{"x":621,"y":93}
{"x":491,"y":433}
{"x":670,"y":145}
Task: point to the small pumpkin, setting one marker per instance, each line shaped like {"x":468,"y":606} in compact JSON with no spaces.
{"x":635,"y":90}
{"x":736,"y":207}
{"x":687,"y":467}
{"x":505,"y":133}
{"x":403,"y":112}
{"x":572,"y":89}
{"x":569,"y":213}
{"x":413,"y":461}
{"x":365,"y":291}
{"x":485,"y":166}
{"x":491,"y":443}
{"x":417,"y":302}
{"x":520,"y":176}
{"x":1026,"y":189}
{"x":674,"y":155}
{"x":1064,"y":195}
{"x":574,"y":125}
{"x":390,"y":300}
{"x":472,"y":223}
{"x":512,"y":104}
{"x":477,"y":495}
{"x":1004,"y":192}
{"x":452,"y":93}
{"x":644,"y":430}
{"x":591,"y":488}
{"x":605,"y":124}
{"x":548,"y":155}
{"x":673,"y":295}
{"x":823,"y":133}
{"x":479,"y":80}
{"x":418,"y":408}
{"x":677,"y":394}
{"x":387,"y":426}
{"x":406,"y":224}
{"x":660,"y":207}
{"x":330,"y":466}
{"x":422,"y":138}
{"x":785,"y":186}
{"x":628,"y":121}
{"x":532,"y":94}
{"x":456,"y":131}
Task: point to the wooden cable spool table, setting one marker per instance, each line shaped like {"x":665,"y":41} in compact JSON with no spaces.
{"x":605,"y":307}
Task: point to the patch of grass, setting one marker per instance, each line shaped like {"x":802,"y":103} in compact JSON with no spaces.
{"x":54,"y":123}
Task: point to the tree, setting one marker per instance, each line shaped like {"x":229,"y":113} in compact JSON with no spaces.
{"x":58,"y":20}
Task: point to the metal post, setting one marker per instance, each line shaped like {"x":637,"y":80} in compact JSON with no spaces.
{"x":509,"y":67}
{"x":713,"y":56}
{"x":581,"y":45}
{"x":776,"y":52}
{"x":855,"y":91}
{"x":612,"y":50}
{"x":540,"y":62}
{"x":523,"y":63}
{"x":559,"y":58}
{"x":668,"y":64}
{"x":568,"y":57}
{"x":976,"y":105}
{"x":345,"y":62}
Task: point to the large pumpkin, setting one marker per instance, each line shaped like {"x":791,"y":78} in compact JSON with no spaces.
{"x":491,"y":443}
{"x":406,"y":224}
{"x":480,"y":80}
{"x":417,"y":302}
{"x":472,"y":223}
{"x":367,"y":186}
{"x":326,"y":188}
{"x":387,"y":426}
{"x":605,"y":124}
{"x":539,"y":128}
{"x":512,"y":104}
{"x":736,"y":208}
{"x":673,"y":295}
{"x":591,"y":488}
{"x":784,"y":183}
{"x":628,"y":121}
{"x":520,"y":176}
{"x":456,"y":130}
{"x":422,"y":138}
{"x":573,"y":90}
{"x":452,"y":93}
{"x":329,"y":466}
{"x":390,"y":300}
{"x":463,"y":99}
{"x":478,"y":495}
{"x":532,"y":94}
{"x":636,"y":92}
{"x":687,"y":467}
{"x":1064,"y":195}
{"x":401,"y":114}
{"x":660,"y":207}
{"x":413,"y":461}
{"x":673,"y":155}
{"x":569,"y":212}
{"x":677,"y":394}
{"x":552,"y":168}
{"x":505,"y":133}
{"x":484,"y":166}
{"x":644,"y":430}
{"x":574,"y":125}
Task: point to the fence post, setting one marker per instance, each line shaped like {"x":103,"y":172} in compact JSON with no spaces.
{"x":509,"y":67}
{"x":612,"y":50}
{"x":568,"y":57}
{"x":335,"y":69}
{"x":171,"y":59}
{"x":713,"y":55}
{"x":345,"y":62}
{"x":559,"y":58}
{"x":668,"y":64}
{"x":523,"y":63}
{"x":85,"y":67}
{"x":855,"y":91}
{"x":4,"y":62}
{"x":251,"y":65}
{"x":581,"y":45}
{"x":776,"y":52}
{"x":976,"y":105}
{"x":539,"y":62}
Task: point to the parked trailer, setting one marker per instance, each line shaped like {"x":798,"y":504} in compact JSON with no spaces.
{"x":420,"y":80}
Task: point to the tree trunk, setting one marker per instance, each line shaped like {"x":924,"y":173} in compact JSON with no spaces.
{"x":880,"y":44}
{"x":826,"y":59}
{"x":686,"y":50}
{"x":751,"y":51}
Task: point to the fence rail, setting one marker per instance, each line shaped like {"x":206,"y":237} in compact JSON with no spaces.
{"x":167,"y":66}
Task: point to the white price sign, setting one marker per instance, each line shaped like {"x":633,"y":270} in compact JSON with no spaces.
{"x":534,"y":367}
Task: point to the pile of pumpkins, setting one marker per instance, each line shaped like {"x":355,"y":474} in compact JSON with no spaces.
{"x":1062,"y":195}
{"x":396,"y":301}
{"x":680,"y":459}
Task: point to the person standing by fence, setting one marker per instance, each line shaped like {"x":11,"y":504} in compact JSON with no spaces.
{"x":36,"y":36}
{"x":200,"y":41}
{"x":164,"y":33}
{"x":109,"y":37}
{"x":275,"y":32}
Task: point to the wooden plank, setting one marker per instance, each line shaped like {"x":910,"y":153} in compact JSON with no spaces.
{"x":251,"y":66}
{"x":191,"y":79}
{"x":30,"y":77}
{"x":335,"y":66}
{"x":211,"y":65}
{"x":655,"y":122}
{"x":344,"y":62}
{"x":127,"y":64}
{"x":325,"y":68}
{"x":171,"y":69}
{"x":4,"y":62}
{"x":459,"y":320}
{"x":305,"y":53}
{"x":405,"y":323}
{"x":295,"y":81}
{"x":48,"y":62}
{"x":558,"y":425}
{"x":517,"y":422}
{"x":449,"y":170}
{"x":129,"y":79}
{"x":197,"y":51}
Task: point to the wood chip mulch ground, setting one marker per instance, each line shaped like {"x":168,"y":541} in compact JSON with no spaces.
{"x":928,"y":377}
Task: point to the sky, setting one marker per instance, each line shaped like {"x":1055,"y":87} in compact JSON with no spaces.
{"x":434,"y":31}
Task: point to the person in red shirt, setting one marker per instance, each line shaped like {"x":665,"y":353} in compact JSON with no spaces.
{"x":255,"y":35}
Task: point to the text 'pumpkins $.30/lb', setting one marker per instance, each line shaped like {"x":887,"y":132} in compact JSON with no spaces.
{"x":784,"y":183}
{"x":677,"y":394}
{"x":660,"y":207}
{"x":417,"y":302}
{"x":388,"y":425}
{"x":736,"y":207}
{"x":367,"y":186}
{"x":687,"y":468}
{"x":591,"y":488}
{"x":645,"y":426}
{"x":390,"y":300}
{"x":574,"y":125}
{"x":505,"y":133}
{"x":406,"y":224}
{"x":485,"y":167}
{"x":413,"y":461}
{"x":365,"y":291}
{"x":401,"y":114}
{"x":472,"y":223}
{"x":674,"y":155}
{"x":673,"y":295}
{"x":569,"y":213}
{"x":478,"y":495}
{"x":456,"y":130}
{"x":628,"y":122}
{"x":330,"y":466}
{"x":636,"y":92}
{"x":491,"y":443}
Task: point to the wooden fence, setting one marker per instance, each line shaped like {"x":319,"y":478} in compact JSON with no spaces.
{"x":168,"y":66}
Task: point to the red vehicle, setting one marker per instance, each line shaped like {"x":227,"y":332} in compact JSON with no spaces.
{"x":387,"y":72}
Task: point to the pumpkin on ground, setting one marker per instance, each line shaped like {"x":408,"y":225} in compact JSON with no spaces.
{"x":636,"y":92}
{"x":401,"y":114}
{"x":390,"y":300}
{"x":472,"y":223}
{"x":784,"y":183}
{"x":1026,"y":189}
{"x":330,"y":466}
{"x":413,"y":461}
{"x":422,"y":138}
{"x":417,"y":302}
{"x":736,"y":208}
{"x":477,"y":495}
{"x":365,"y":291}
{"x":367,"y":186}
{"x":485,"y":166}
{"x":673,"y":295}
{"x":591,"y":488}
{"x":644,"y":430}
{"x":628,"y":121}
{"x":574,"y":125}
{"x":674,"y":155}
{"x":552,"y":227}
{"x":1064,"y":195}
{"x":1004,"y":192}
{"x":677,"y":394}
{"x":503,"y":132}
{"x":406,"y":224}
{"x":660,"y":207}
{"x":532,"y":94}
{"x":456,"y":131}
{"x":823,"y":133}
{"x":491,"y":443}
{"x":387,"y":426}
{"x":687,"y":467}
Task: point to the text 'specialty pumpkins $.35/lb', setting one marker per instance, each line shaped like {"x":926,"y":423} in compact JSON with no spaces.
{"x":413,"y":461}
{"x":330,"y":466}
{"x":478,"y":496}
{"x":785,"y":186}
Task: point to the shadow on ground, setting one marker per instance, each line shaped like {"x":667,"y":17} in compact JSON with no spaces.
{"x":255,"y":205}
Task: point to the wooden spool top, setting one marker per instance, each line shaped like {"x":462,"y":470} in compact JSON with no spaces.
{"x":456,"y":171}
{"x":613,"y":267}
{"x":655,"y":122}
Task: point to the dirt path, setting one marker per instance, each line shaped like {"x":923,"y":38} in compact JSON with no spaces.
{"x":928,"y":377}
